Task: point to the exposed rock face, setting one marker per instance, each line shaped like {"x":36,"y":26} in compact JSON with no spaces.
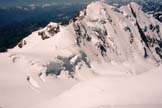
{"x":49,"y":31}
{"x":117,"y":33}
{"x":22,"y":44}
{"x":158,"y":16}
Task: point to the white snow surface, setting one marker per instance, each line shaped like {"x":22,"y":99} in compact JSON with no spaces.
{"x":104,"y":61}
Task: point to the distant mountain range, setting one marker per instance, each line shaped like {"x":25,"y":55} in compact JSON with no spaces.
{"x":12,"y":3}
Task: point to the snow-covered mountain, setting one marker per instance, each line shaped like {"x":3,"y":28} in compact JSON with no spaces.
{"x":107,"y":56}
{"x":150,"y":6}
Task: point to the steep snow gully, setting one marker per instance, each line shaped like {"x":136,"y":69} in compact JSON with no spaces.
{"x":106,"y":57}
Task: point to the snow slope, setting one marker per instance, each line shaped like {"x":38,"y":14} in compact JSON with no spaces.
{"x":144,"y":90}
{"x":106,"y":57}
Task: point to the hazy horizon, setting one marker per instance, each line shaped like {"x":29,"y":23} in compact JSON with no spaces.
{"x":10,"y":3}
